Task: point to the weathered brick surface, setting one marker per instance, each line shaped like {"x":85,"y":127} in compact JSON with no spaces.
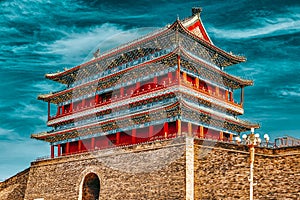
{"x":159,"y":171}
{"x":14,"y":187}
{"x":222,"y":172}
{"x":142,"y":172}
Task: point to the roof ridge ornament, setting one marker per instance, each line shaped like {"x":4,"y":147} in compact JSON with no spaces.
{"x":96,"y":54}
{"x":196,"y":10}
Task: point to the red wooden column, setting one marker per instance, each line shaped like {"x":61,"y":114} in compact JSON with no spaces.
{"x":52,"y":151}
{"x":71,"y":107}
{"x":226,"y":95}
{"x":82,"y":103}
{"x":118,"y":138}
{"x":79,"y":145}
{"x":138,"y":85}
{"x":155,"y":81}
{"x":231,"y":137}
{"x":231,"y":96}
{"x":133,"y":136}
{"x":198,"y":132}
{"x":184,"y":77}
{"x":197,"y":82}
{"x":201,"y":132}
{"x":62,"y":109}
{"x":58,"y":150}
{"x":217,"y":91}
{"x":190,"y":129}
{"x":151,"y":131}
{"x":170,"y":77}
{"x":93,"y":143}
{"x":166,"y":129}
{"x":178,"y":127}
{"x":67,"y":148}
{"x":221,"y":135}
{"x":122,"y":91}
{"x":96,"y":99}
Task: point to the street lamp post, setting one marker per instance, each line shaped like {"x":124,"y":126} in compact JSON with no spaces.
{"x":253,"y":140}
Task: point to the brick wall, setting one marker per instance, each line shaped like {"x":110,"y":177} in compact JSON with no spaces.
{"x":14,"y":187}
{"x":159,"y":171}
{"x":153,"y":171}
{"x":222,"y":171}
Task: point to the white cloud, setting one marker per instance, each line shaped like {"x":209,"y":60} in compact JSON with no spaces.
{"x":47,"y":86}
{"x":9,"y":134}
{"x":79,"y":45}
{"x":29,"y":111}
{"x":267,"y":27}
{"x":289,"y":92}
{"x":4,"y":131}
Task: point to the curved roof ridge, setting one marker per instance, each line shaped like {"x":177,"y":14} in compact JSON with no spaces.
{"x":109,"y":52}
{"x":236,"y":78}
{"x":194,"y":22}
{"x":236,"y":58}
{"x":235,"y":120}
{"x":50,"y":95}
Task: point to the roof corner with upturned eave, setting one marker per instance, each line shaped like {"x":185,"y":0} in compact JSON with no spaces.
{"x":195,"y":25}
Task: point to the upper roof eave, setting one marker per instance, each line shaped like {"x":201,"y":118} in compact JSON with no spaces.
{"x":243,"y":82}
{"x":235,"y":59}
{"x":57,"y":75}
{"x":47,"y":97}
{"x":196,"y":20}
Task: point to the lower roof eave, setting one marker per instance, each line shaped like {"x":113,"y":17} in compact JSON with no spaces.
{"x":39,"y":136}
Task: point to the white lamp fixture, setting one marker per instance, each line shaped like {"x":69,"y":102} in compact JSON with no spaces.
{"x":267,"y":138}
{"x":238,"y":139}
{"x":259,"y":140}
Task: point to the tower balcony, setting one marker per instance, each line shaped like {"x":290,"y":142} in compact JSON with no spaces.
{"x":211,"y":93}
{"x":122,"y":97}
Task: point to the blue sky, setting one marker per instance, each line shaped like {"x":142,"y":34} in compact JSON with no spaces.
{"x":39,"y":37}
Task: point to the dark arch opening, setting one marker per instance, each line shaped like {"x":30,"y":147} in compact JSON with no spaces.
{"x":91,"y":187}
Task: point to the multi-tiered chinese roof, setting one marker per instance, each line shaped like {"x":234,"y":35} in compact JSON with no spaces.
{"x":167,"y":84}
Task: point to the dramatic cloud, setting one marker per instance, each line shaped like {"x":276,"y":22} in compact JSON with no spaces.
{"x":265,"y":27}
{"x":79,"y":46}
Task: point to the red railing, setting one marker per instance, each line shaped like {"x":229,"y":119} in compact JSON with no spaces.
{"x":143,"y":141}
{"x":210,"y":93}
{"x":143,"y":91}
{"x":117,"y":99}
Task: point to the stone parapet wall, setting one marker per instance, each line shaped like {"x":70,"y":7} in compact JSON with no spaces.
{"x":183,"y":168}
{"x":222,"y":171}
{"x":148,"y":171}
{"x":14,"y":187}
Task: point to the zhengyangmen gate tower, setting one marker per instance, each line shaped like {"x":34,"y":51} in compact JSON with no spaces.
{"x":164,"y":85}
{"x":155,"y":118}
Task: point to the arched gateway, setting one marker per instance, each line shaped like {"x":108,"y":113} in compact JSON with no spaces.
{"x":91,"y":187}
